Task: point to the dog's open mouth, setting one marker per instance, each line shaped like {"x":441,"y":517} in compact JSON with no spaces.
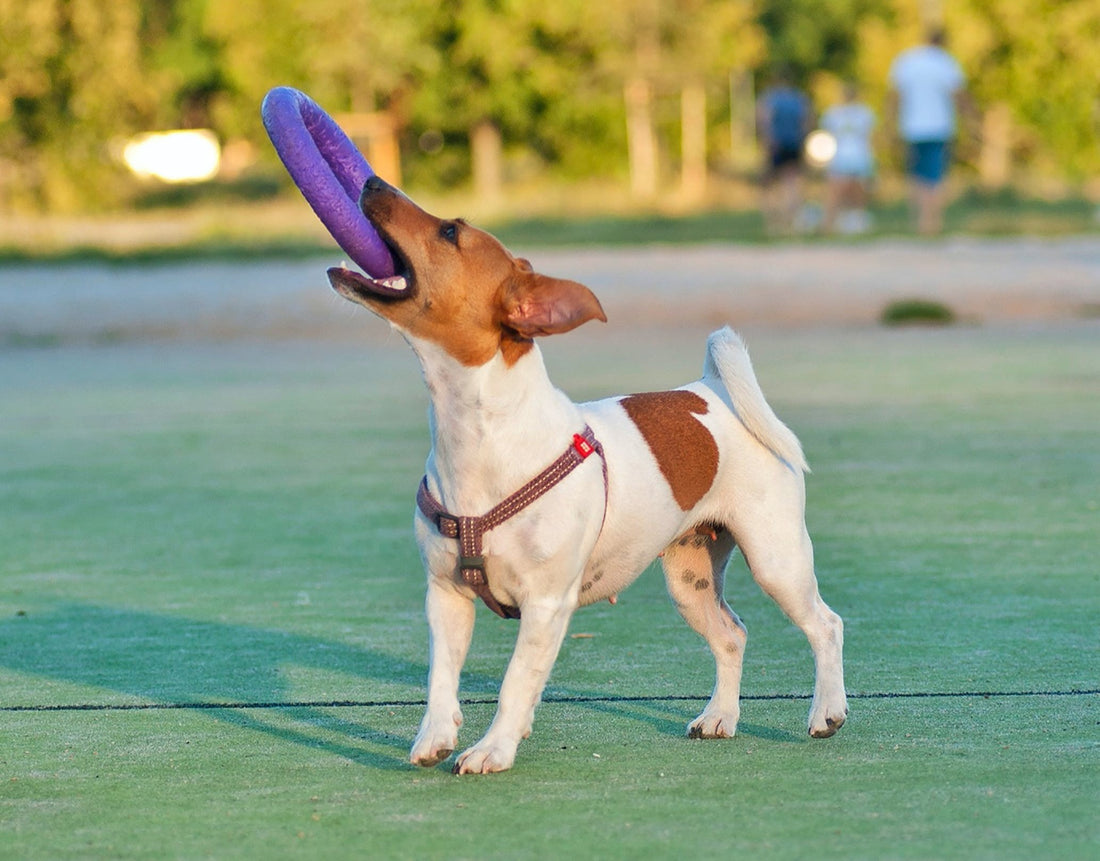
{"x":354,"y":285}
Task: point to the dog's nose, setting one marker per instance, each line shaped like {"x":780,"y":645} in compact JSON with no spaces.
{"x":373,"y":185}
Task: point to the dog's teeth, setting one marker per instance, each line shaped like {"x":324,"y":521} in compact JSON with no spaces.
{"x":395,"y":282}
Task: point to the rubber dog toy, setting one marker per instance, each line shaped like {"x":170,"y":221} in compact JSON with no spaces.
{"x":329,"y":171}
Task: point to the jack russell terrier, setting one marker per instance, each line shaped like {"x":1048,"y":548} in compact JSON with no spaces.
{"x":686,"y":475}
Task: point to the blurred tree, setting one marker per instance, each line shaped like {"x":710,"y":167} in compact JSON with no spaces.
{"x":573,"y":86}
{"x":1032,"y":67}
{"x":71,"y":83}
{"x":806,"y":37}
{"x":183,"y":60}
{"x":349,"y":55}
{"x":577,"y":122}
{"x":637,"y":24}
{"x":511,"y":71}
{"x":709,"y":40}
{"x":654,"y":47}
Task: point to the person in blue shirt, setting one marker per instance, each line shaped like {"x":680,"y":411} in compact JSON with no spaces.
{"x":784,"y":118}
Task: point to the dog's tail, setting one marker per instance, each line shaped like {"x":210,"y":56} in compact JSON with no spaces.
{"x":728,"y":361}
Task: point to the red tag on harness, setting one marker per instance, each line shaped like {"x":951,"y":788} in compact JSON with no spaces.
{"x":583,"y":446}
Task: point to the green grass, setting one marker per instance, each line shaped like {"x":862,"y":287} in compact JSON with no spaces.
{"x":907,"y":312}
{"x":284,"y":246}
{"x":973,"y":213}
{"x":240,"y":225}
{"x":206,"y":525}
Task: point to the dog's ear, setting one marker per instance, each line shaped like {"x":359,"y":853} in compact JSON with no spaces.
{"x":536,"y":304}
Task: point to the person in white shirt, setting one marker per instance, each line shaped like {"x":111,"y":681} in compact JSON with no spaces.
{"x":928,"y":87}
{"x":852,"y":166}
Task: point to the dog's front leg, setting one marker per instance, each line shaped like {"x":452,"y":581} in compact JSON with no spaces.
{"x":451,"y":626}
{"x":541,"y":631}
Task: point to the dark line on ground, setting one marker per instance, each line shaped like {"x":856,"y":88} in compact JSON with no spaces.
{"x":561,"y":699}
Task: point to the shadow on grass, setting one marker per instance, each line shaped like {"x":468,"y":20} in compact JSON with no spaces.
{"x":671,"y":718}
{"x":768,"y":733}
{"x":397,"y":760}
{"x":165,"y":659}
{"x":237,"y":674}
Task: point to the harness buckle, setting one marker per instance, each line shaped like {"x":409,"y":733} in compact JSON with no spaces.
{"x":582,"y":445}
{"x":473,"y":569}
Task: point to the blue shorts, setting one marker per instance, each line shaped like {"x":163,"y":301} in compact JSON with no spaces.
{"x":929,"y":160}
{"x":782,"y":155}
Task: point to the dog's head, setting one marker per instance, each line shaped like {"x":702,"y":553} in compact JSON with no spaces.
{"x":457,"y":286}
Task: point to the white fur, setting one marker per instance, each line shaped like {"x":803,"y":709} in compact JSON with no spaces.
{"x":728,"y":365}
{"x":495,"y":426}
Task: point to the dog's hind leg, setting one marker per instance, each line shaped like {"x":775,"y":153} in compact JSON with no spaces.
{"x":695,"y":570}
{"x":451,"y":626}
{"x":779,"y":553}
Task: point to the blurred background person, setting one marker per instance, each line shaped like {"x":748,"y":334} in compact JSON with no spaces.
{"x":784,"y":118}
{"x":927,"y":88}
{"x":852,"y":166}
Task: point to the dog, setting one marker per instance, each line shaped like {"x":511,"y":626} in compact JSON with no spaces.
{"x":686,"y":475}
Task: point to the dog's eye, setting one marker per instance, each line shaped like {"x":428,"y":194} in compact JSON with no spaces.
{"x":449,"y":231}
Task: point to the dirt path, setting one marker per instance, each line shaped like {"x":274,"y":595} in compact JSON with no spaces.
{"x":987,"y":281}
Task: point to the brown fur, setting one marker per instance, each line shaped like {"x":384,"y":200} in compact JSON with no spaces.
{"x":683,"y":448}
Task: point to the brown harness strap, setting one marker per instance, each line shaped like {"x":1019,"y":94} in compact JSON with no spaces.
{"x":470,"y":530}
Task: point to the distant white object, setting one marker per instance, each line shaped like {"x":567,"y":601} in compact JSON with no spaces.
{"x":853,"y":222}
{"x":191,"y":155}
{"x":820,"y":148}
{"x":850,"y":124}
{"x":926,"y":78}
{"x":808,"y":219}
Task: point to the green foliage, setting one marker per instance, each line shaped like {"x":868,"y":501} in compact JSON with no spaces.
{"x":1032,"y":55}
{"x":70,"y":82}
{"x":908,"y":312}
{"x":807,"y":37}
{"x":349,"y":55}
{"x":512,"y":64}
{"x":77,"y":77}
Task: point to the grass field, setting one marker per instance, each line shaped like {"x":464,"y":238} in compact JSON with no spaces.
{"x":212,"y":643}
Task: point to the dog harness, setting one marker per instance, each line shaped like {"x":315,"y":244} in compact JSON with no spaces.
{"x":470,"y":530}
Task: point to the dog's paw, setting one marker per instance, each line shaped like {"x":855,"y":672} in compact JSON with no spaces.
{"x":433,"y":743}
{"x":433,"y":756}
{"x":713,"y":725}
{"x":824,"y":722}
{"x":485,"y":758}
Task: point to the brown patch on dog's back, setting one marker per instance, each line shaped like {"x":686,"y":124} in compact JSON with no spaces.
{"x":684,"y":449}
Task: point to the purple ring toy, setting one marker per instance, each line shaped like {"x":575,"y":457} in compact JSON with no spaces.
{"x":329,"y":171}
